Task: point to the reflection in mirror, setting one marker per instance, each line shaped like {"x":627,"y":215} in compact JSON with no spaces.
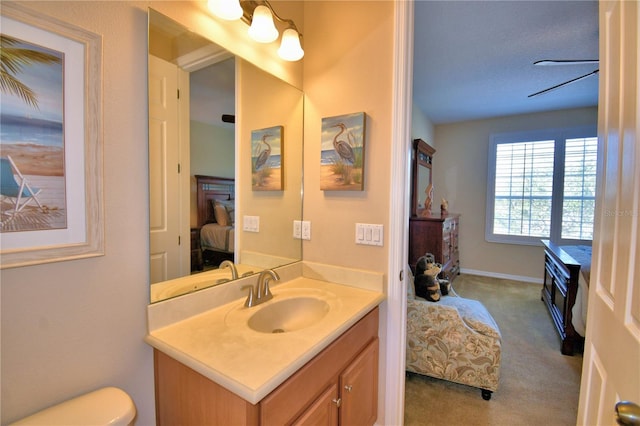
{"x":200,"y":165}
{"x":422,"y":188}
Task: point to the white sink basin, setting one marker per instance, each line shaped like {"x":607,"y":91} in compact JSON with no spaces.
{"x":289,"y":315}
{"x":291,"y":309}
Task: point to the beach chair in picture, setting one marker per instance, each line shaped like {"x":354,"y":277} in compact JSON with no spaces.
{"x":14,"y":186}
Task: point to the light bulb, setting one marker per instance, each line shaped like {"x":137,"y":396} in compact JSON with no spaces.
{"x":290,"y":49}
{"x":262,"y":28}
{"x":229,"y":10}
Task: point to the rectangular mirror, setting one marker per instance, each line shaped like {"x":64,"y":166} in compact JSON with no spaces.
{"x":201,"y":164}
{"x":421,"y":181}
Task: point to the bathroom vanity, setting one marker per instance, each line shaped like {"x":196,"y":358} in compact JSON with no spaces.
{"x":218,"y":366}
{"x":339,"y":385}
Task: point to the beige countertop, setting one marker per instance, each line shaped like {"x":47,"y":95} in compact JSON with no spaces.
{"x":218,"y":344}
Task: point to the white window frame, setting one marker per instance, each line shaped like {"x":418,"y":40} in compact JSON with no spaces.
{"x":559,"y":136}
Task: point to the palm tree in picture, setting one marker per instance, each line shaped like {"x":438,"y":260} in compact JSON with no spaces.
{"x":13,"y":60}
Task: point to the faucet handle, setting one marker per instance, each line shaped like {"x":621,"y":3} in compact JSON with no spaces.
{"x":250,"y":296}
{"x":266,"y":292}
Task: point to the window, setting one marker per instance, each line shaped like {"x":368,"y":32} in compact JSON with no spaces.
{"x":542,"y":185}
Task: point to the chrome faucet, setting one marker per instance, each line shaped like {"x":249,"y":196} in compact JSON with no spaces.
{"x":261,"y":293}
{"x":229,"y":264}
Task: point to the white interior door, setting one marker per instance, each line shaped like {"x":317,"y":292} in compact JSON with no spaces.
{"x":164,"y":215}
{"x":611,"y":367}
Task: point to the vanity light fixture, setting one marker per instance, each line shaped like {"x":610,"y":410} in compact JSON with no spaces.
{"x":225,"y":9}
{"x":290,"y":49}
{"x":259,"y":14}
{"x":262,"y":28}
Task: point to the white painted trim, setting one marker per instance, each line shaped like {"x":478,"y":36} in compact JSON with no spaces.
{"x":534,"y":280}
{"x":393,"y":337}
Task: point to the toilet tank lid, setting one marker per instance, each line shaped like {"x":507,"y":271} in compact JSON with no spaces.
{"x":105,"y":406}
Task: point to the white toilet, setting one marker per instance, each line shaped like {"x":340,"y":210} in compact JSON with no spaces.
{"x":104,"y":407}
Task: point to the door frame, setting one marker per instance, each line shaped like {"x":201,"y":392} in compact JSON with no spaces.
{"x":394,"y":310}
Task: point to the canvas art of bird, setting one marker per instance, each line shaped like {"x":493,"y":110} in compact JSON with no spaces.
{"x":344,"y":148}
{"x":264,"y":155}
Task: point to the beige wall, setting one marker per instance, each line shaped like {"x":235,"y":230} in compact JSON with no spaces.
{"x":212,"y":152}
{"x":71,"y":327}
{"x":421,"y":126}
{"x":265,"y":102}
{"x":460,"y":176}
{"x":349,"y":71}
{"x":346,"y":72}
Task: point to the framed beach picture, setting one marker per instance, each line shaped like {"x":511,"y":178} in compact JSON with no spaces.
{"x":51,"y":140}
{"x":342,"y":153}
{"x":267,"y":149}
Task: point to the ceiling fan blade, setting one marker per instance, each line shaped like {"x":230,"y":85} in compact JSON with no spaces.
{"x":557,"y":86}
{"x":547,"y":62}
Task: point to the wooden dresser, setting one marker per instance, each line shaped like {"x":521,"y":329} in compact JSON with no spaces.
{"x":559,"y":289}
{"x":437,"y":235}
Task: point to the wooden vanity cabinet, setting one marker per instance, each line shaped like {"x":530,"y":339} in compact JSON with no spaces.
{"x":350,"y":400}
{"x":359,"y":388}
{"x":305,"y":395}
{"x":338,"y":386}
{"x":185,"y":397}
{"x":437,"y":235}
{"x":323,"y":411}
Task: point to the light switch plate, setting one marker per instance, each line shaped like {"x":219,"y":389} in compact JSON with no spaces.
{"x":251,"y":223}
{"x":369,"y":234}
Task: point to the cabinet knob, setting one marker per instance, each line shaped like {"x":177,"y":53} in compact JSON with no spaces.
{"x":337,"y":401}
{"x":348,"y":388}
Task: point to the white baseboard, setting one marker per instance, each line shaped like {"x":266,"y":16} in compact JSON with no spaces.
{"x":503,"y":276}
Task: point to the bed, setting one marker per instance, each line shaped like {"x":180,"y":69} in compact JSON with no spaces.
{"x":565,"y":290}
{"x":216,"y":218}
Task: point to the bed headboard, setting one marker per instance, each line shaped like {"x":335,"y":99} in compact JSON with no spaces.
{"x":212,"y":188}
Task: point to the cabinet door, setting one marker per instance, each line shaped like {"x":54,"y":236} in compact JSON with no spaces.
{"x":359,"y":388}
{"x":324,"y":411}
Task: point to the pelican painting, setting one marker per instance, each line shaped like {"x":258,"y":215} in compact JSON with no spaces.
{"x":266,"y":159}
{"x":342,"y":153}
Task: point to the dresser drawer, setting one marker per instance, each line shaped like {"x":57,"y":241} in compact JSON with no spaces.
{"x":437,"y":235}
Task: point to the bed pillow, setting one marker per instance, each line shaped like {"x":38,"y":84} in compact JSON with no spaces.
{"x":220,"y":213}
{"x":230,"y":207}
{"x":224,"y":212}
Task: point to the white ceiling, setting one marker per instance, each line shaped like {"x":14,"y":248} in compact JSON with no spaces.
{"x":474,"y":59}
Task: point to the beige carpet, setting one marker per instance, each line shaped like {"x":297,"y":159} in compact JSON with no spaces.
{"x":538,"y":385}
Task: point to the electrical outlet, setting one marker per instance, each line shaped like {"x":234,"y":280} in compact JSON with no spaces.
{"x":306,"y":230}
{"x":297,"y":229}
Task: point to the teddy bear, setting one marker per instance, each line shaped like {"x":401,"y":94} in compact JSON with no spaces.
{"x":426,"y":279}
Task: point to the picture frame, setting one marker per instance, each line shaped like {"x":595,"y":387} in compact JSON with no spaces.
{"x":68,"y":203}
{"x":342,"y":152}
{"x":267,"y":159}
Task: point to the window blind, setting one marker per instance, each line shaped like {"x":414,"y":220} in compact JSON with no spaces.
{"x":524,"y":188}
{"x":578,"y":204}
